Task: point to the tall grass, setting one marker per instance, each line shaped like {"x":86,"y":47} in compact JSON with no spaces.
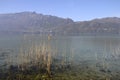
{"x":42,"y":56}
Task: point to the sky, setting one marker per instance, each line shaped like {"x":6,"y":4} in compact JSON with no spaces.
{"x":78,"y":10}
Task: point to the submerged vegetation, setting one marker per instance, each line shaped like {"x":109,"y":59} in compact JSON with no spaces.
{"x":36,"y":60}
{"x":43,"y":61}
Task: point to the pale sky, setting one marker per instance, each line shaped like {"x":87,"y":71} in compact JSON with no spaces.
{"x":77,"y":10}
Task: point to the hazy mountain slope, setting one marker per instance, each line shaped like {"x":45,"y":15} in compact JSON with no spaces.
{"x":26,"y":22}
{"x":30,"y":21}
{"x":101,"y":26}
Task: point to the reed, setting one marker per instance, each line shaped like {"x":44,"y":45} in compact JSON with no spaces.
{"x":41,"y":57}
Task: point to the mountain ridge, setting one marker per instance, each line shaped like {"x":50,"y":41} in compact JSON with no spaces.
{"x":32,"y":22}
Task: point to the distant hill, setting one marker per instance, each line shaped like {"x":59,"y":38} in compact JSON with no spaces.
{"x":106,"y":26}
{"x":32,"y":22}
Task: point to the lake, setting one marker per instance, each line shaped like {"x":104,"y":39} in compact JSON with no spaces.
{"x":100,"y":53}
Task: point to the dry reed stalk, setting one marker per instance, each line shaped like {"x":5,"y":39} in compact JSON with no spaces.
{"x":44,"y":54}
{"x":24,"y":59}
{"x":37,"y":55}
{"x":49,"y":56}
{"x":31,"y":51}
{"x":49,"y":63}
{"x":63,"y":61}
{"x":20,"y":55}
{"x":105,"y":55}
{"x":72,"y":56}
{"x":39,"y":52}
{"x":9,"y":61}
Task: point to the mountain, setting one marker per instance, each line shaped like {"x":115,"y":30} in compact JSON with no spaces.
{"x":105,"y":26}
{"x":32,"y":22}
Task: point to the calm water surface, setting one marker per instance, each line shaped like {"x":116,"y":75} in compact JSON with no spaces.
{"x":87,"y":49}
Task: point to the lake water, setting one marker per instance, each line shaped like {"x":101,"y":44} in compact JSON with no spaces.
{"x":94,"y":51}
